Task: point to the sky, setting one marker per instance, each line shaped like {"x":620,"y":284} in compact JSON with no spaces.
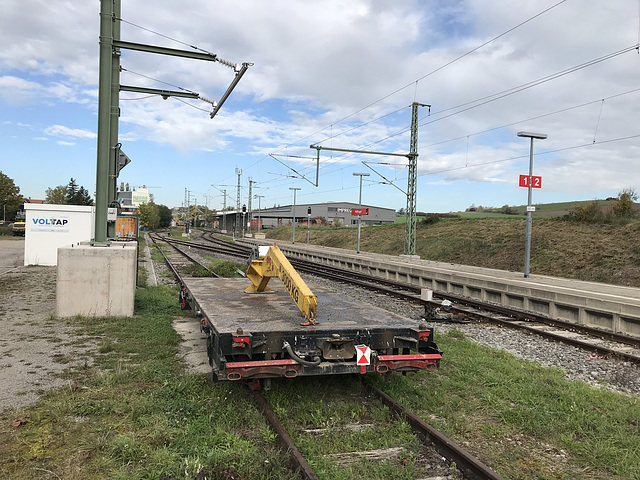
{"x":338,"y":74}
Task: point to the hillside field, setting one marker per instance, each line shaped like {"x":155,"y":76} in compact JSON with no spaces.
{"x":592,"y":252}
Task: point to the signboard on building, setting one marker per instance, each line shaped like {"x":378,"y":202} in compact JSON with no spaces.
{"x":359,"y":211}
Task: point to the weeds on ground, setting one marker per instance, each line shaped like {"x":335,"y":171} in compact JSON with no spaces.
{"x":134,"y":413}
{"x":226,"y":268}
{"x":195,"y":270}
{"x":535,"y":423}
{"x":328,"y":407}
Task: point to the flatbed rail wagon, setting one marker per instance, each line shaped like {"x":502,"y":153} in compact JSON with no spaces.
{"x":254,"y":336}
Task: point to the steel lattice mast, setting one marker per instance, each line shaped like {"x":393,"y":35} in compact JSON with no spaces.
{"x":412,"y":185}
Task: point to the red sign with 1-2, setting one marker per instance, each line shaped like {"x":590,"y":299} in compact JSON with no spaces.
{"x":536,"y":181}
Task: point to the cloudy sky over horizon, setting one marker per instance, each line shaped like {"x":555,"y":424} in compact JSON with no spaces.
{"x":337,"y":73}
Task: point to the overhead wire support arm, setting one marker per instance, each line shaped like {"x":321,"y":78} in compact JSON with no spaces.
{"x":239,"y":74}
{"x":348,"y":150}
{"x":155,"y":91}
{"x":299,"y":175}
{"x":318,"y":148}
{"x":210,"y":57}
{"x":410,"y":224}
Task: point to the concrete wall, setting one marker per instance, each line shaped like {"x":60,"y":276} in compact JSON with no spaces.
{"x":53,"y":226}
{"x":96,"y":281}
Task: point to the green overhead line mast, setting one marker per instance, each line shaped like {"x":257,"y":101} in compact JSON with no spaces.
{"x":412,"y":186}
{"x":108,"y":104}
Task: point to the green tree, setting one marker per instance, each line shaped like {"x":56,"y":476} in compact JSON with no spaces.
{"x":148,"y":216}
{"x":77,"y":195}
{"x":72,"y":191}
{"x":623,"y":206}
{"x":57,"y":195}
{"x":83,"y":197}
{"x":10,"y":198}
{"x":165,"y":215}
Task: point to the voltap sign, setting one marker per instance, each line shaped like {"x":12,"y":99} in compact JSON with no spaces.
{"x":50,"y":224}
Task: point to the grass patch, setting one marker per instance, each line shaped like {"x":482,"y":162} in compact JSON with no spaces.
{"x":226,"y":268}
{"x":484,"y":396}
{"x":135,"y":413}
{"x":195,"y":270}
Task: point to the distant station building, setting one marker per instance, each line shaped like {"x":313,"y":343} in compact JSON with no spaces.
{"x":332,"y":213}
{"x":337,"y":213}
{"x":130,"y":200}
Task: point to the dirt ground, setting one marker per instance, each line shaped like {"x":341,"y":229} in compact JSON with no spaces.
{"x":35,"y":348}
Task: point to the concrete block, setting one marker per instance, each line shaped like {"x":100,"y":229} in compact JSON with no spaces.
{"x":96,"y":281}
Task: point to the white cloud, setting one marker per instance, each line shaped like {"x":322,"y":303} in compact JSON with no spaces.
{"x":318,"y":64}
{"x":60,"y":130}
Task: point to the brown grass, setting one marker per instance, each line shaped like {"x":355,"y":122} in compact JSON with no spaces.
{"x":600,"y":253}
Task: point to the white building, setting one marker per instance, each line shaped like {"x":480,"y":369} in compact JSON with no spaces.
{"x":130,"y":200}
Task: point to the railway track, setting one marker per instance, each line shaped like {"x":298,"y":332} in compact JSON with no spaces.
{"x":178,"y":259}
{"x":438,"y":456}
{"x":599,"y":342}
{"x":434,"y":445}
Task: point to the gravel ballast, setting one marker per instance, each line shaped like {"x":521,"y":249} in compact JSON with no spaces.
{"x":578,"y":364}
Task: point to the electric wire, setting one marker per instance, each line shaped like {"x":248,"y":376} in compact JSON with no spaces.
{"x":137,"y":98}
{"x":122,"y":69}
{"x":190,"y":104}
{"x":598,"y":122}
{"x":508,"y":92}
{"x":451,"y":62}
{"x":406,"y":86}
{"x":511,"y":91}
{"x":164,"y":36}
{"x":537,"y":117}
{"x":474,"y":104}
{"x":545,"y":152}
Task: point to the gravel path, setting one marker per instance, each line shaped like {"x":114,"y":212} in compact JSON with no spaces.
{"x":35,"y":348}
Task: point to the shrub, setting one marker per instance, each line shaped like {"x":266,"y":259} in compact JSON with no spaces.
{"x":623,"y":206}
{"x":507,"y":210}
{"x":589,"y":212}
{"x":430,"y":219}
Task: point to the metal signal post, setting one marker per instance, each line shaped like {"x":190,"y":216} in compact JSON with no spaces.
{"x":527,"y":245}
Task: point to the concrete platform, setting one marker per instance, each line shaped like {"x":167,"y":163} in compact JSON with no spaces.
{"x":96,"y":281}
{"x":610,"y":307}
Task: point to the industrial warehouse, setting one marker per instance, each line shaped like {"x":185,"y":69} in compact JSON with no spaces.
{"x":334,"y":213}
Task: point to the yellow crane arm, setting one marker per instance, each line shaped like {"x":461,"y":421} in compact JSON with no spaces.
{"x":275,"y":264}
